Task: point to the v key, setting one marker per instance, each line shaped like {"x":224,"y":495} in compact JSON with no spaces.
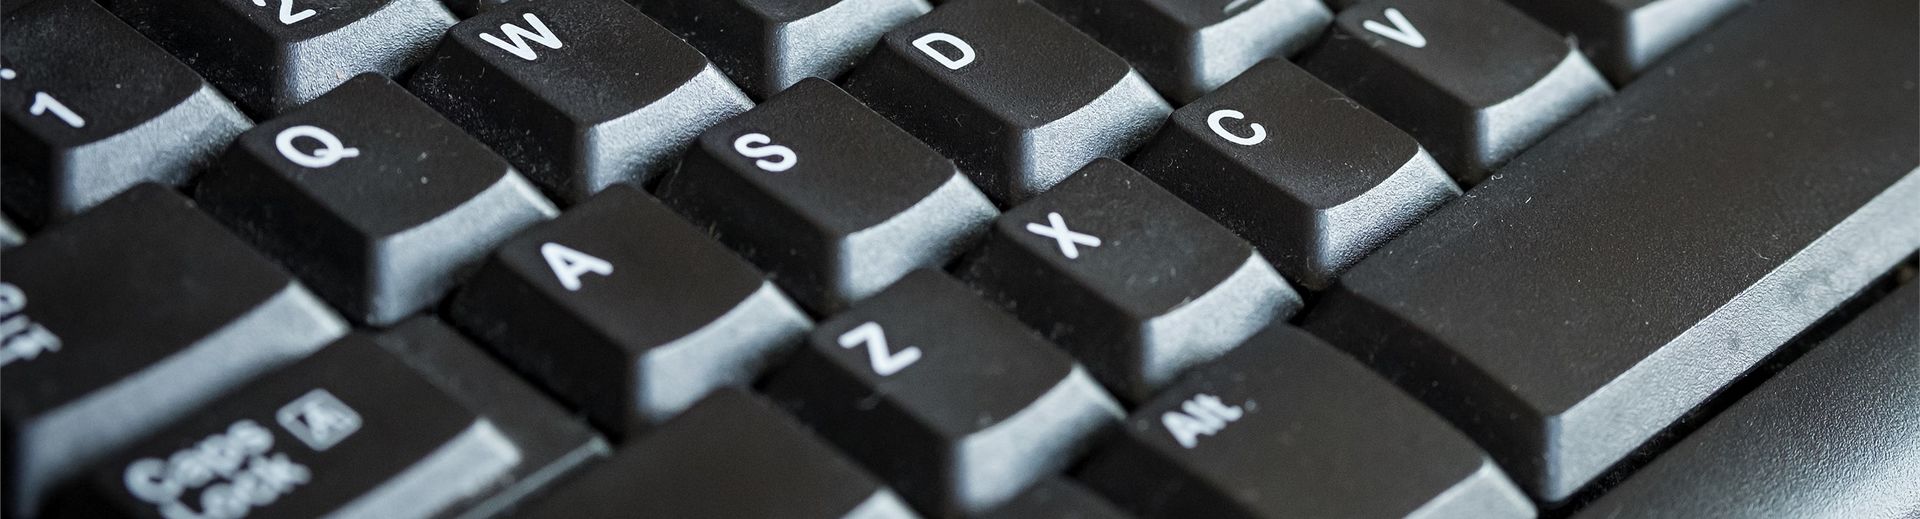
{"x":1402,"y":31}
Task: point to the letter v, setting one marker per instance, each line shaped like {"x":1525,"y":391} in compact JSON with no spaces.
{"x":519,"y":47}
{"x":1402,"y":31}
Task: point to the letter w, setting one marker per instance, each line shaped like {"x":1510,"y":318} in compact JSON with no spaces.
{"x":519,"y":47}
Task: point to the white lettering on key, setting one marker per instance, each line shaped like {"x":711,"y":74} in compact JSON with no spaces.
{"x":540,"y":34}
{"x":232,"y":470}
{"x":330,"y":152}
{"x":925,"y":44}
{"x":7,"y":73}
{"x":318,"y":419}
{"x":287,"y":16}
{"x":1202,"y":415}
{"x":760,"y":146}
{"x":1068,"y":240}
{"x":20,"y":337}
{"x":569,"y":264}
{"x":1214,"y":119}
{"x":43,"y":103}
{"x":885,"y":361}
{"x":1402,"y":30}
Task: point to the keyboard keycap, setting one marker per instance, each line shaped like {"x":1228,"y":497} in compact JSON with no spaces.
{"x":1475,"y":80}
{"x":132,"y":315}
{"x":350,"y":432}
{"x":626,"y":312}
{"x":1655,"y":249}
{"x":1132,"y":281}
{"x":553,"y":443}
{"x":470,"y":8}
{"x":1188,"y":48}
{"x":273,"y":55}
{"x":1287,"y":426}
{"x":372,"y":198}
{"x":1017,"y":97}
{"x":579,"y":94}
{"x":1624,"y":38}
{"x":769,"y":45}
{"x":1055,"y":498}
{"x":1311,"y":178}
{"x":88,"y":118}
{"x":828,"y":196}
{"x":732,"y":455}
{"x":956,"y":404}
{"x":1833,"y":435}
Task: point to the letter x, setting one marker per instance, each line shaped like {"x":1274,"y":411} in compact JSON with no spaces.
{"x":1067,"y":238}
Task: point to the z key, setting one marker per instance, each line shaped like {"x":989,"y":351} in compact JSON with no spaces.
{"x":578,"y":94}
{"x":371,"y":197}
{"x":1474,"y":80}
{"x":92,"y":108}
{"x":273,"y":55}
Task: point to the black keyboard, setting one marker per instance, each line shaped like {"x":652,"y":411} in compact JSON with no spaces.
{"x":960,"y":258}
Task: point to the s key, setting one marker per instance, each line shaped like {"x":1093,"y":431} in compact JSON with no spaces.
{"x":957,"y":404}
{"x":831,"y":198}
{"x":627,"y":312}
{"x":92,"y":108}
{"x":350,"y":432}
{"x":272,"y":55}
{"x":133,"y":314}
{"x":1019,"y":98}
{"x":1474,"y":80}
{"x":371,"y":197}
{"x":579,"y":94}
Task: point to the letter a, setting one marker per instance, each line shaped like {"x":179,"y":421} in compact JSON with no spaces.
{"x":569,"y":264}
{"x":925,"y":44}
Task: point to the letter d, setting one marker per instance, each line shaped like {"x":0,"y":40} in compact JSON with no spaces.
{"x":925,"y":44}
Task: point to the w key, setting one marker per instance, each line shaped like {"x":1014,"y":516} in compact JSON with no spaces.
{"x":350,"y":432}
{"x":273,"y":55}
{"x":579,"y":94}
{"x":1474,"y":80}
{"x":1019,"y":98}
{"x":371,"y":197}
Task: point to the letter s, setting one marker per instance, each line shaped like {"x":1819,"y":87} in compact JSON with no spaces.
{"x":759,"y":146}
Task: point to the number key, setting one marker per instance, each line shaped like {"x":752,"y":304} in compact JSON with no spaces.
{"x":76,"y":134}
{"x":273,"y":55}
{"x":935,"y":390}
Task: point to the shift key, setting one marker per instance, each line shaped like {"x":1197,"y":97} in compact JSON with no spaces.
{"x":1613,"y":277}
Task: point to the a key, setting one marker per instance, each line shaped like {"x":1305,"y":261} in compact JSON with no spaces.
{"x":1288,"y":426}
{"x":732,"y":455}
{"x":1832,"y":435}
{"x":1188,"y":48}
{"x":1314,"y":180}
{"x":349,"y":432}
{"x":1132,"y":281}
{"x":1649,"y":253}
{"x":1625,"y":37}
{"x":579,"y":94}
{"x":1055,"y":498}
{"x":833,"y":200}
{"x":955,"y":403}
{"x":1474,"y":80}
{"x":375,"y":201}
{"x":553,"y":443}
{"x":132,"y":315}
{"x":627,"y":312}
{"x":769,"y":45}
{"x":92,"y":108}
{"x":1019,"y":98}
{"x":273,"y":55}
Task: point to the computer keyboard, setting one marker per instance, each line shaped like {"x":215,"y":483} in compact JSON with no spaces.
{"x":962,"y":258}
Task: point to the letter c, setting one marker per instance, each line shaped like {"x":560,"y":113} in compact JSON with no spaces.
{"x":1213,"y":121}
{"x":925,"y":44}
